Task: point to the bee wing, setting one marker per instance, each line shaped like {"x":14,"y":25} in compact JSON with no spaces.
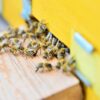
{"x":48,"y":35}
{"x":54,"y":40}
{"x":50,"y":39}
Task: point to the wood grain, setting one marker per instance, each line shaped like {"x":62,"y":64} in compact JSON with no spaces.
{"x":19,"y":81}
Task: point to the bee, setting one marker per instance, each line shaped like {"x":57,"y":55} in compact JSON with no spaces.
{"x":55,"y":48}
{"x":48,"y":66}
{"x":51,"y":49}
{"x":40,"y":30}
{"x":9,"y":30}
{"x":21,"y":32}
{"x":3,"y":44}
{"x":48,"y":53}
{"x":47,"y":37}
{"x":30,"y":52}
{"x":13,"y":41}
{"x":72,"y":62}
{"x":44,"y":41}
{"x":30,"y":20}
{"x":62,"y":64}
{"x":2,"y":37}
{"x":58,"y":66}
{"x":31,"y":35}
{"x":32,"y":49}
{"x":33,"y":27}
{"x":34,"y":45}
{"x":45,"y":45}
{"x":11,"y":33}
{"x":61,"y":53}
{"x":54,"y":41}
{"x":15,"y":45}
{"x":44,"y":66}
{"x":13,"y":50}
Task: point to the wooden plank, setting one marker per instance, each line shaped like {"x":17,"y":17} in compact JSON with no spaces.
{"x":19,"y":81}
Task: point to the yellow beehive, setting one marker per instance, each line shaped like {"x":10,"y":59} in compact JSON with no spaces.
{"x":65,"y":17}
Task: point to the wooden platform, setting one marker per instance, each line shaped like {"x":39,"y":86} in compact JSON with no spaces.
{"x":19,"y":81}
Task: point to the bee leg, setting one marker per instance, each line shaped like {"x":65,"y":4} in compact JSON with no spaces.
{"x":37,"y":69}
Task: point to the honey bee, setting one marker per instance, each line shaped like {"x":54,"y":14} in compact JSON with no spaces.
{"x":48,"y":66}
{"x":48,"y":36}
{"x":30,"y":52}
{"x":71,"y":62}
{"x":51,"y":49}
{"x":13,"y":50}
{"x":40,"y":30}
{"x":44,"y":42}
{"x":48,"y":53}
{"x":2,"y":37}
{"x":54,"y":41}
{"x":15,"y":45}
{"x":13,"y":41}
{"x":30,"y":20}
{"x":58,"y":44}
{"x":10,"y":30}
{"x":11,"y":33}
{"x":61,"y":53}
{"x":3,"y":44}
{"x":62,"y":64}
{"x":31,"y":35}
{"x":21,"y":32}
{"x":55,"y":47}
{"x":44,"y":66}
{"x":33,"y":27}
{"x":58,"y":66}
{"x":32,"y":49}
{"x":46,"y":45}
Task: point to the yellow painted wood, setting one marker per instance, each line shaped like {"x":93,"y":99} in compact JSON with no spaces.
{"x":90,"y":95}
{"x":63,"y":16}
{"x":67,"y":16}
{"x":88,"y":64}
{"x":12,"y":12}
{"x":51,"y":12}
{"x":19,"y":81}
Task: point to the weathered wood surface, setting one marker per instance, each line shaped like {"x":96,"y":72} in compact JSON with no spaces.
{"x":19,"y":81}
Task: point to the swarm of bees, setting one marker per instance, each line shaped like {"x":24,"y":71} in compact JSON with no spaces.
{"x":40,"y":39}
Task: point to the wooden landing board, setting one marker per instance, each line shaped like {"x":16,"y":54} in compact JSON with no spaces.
{"x":19,"y":81}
